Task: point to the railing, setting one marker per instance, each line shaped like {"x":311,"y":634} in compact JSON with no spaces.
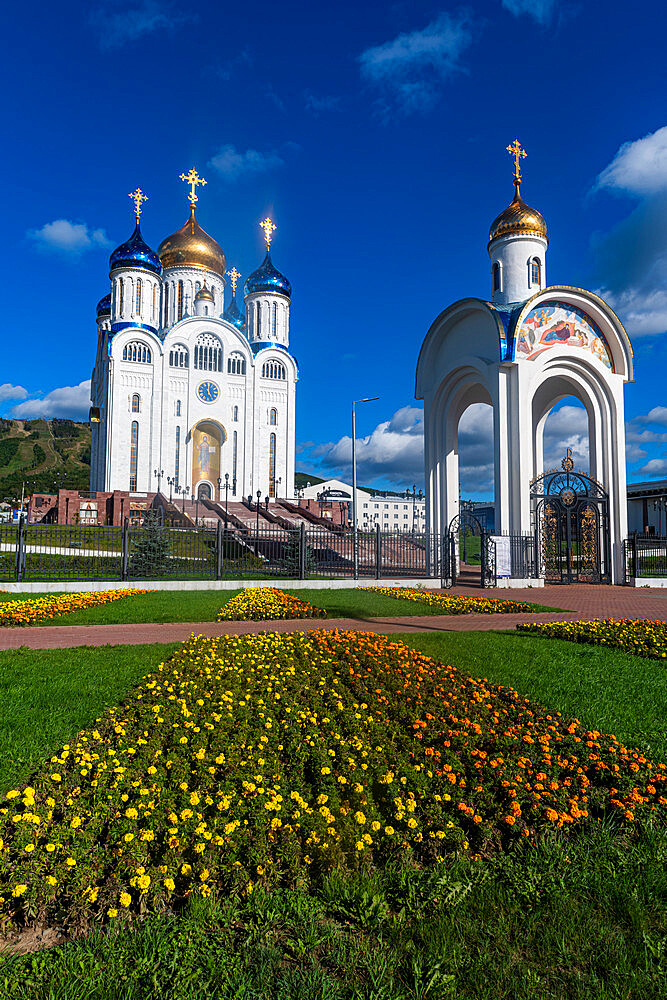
{"x":645,"y":556}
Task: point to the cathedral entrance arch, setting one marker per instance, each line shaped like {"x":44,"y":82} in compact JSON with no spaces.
{"x":208,"y":438}
{"x":204,"y":491}
{"x":571,"y":524}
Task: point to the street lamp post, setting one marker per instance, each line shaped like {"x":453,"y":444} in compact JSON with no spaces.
{"x":259,"y":497}
{"x":185,"y":491}
{"x":171,"y":480}
{"x":355,"y":536}
{"x":159,"y":473}
{"x":226,"y":496}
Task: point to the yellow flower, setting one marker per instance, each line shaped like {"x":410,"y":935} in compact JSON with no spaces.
{"x":29,"y":848}
{"x":19,"y":889}
{"x":54,"y":777}
{"x":125,"y":899}
{"x":70,"y":862}
{"x":186,"y":869}
{"x":131,"y":813}
{"x":360,"y":818}
{"x":169,"y":884}
{"x":50,"y":880}
{"x":112,"y":913}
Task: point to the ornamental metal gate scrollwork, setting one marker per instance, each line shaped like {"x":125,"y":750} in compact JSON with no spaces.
{"x":451,"y":557}
{"x":571,"y":522}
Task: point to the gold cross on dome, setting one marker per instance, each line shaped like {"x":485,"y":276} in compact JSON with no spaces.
{"x":137,"y":197}
{"x":193,"y":179}
{"x":517,"y":152}
{"x":234,"y":276}
{"x":269,"y":228}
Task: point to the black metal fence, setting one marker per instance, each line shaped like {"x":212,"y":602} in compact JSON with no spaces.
{"x":645,"y":556}
{"x":154,"y":551}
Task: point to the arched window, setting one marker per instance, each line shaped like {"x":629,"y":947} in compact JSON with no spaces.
{"x":154,"y":302}
{"x":273,"y":369}
{"x":135,"y":403}
{"x":236,"y":364}
{"x":180,"y":301}
{"x":259,"y":320}
{"x":137,"y":296}
{"x":134,"y":452}
{"x":177,"y":452}
{"x":274,"y":319}
{"x":496,"y":277}
{"x":178,"y":407}
{"x":272,"y":465}
{"x":121,"y":296}
{"x":165,"y":294}
{"x":136,"y":351}
{"x":535,"y":271}
{"x":197,"y":286}
{"x":178,"y":357}
{"x":273,"y":416}
{"x":235,"y":414}
{"x":208,"y":353}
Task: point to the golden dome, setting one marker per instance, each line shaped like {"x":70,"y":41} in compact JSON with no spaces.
{"x":192,"y":247}
{"x":518,"y":219}
{"x":204,"y":293}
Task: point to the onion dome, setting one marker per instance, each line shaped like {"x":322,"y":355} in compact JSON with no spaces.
{"x":104,"y":306}
{"x":135,"y":253}
{"x":192,"y":247}
{"x":234,"y":315}
{"x":267,"y":278}
{"x":204,"y":294}
{"x":518,"y":219}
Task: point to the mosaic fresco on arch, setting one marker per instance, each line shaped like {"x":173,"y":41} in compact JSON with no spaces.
{"x":559,"y":325}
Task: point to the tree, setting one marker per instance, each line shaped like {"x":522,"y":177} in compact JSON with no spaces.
{"x":150,"y":549}
{"x":290,"y":555}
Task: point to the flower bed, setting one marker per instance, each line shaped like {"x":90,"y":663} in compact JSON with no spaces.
{"x":280,"y":757}
{"x":266,"y":603}
{"x":454,"y":605}
{"x":642,"y":637}
{"x":42,"y":608}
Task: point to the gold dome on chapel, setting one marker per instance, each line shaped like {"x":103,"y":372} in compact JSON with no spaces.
{"x":518,"y":219}
{"x":191,"y":246}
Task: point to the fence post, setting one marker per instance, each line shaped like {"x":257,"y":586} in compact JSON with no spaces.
{"x":302,"y":552}
{"x":19,"y":568}
{"x":219,"y":554}
{"x":378,"y":552}
{"x":536,"y":553}
{"x":635,"y":564}
{"x":125,"y":550}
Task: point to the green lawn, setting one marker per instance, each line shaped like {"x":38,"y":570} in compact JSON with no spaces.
{"x":583,"y":918}
{"x":48,"y":695}
{"x":203,"y":606}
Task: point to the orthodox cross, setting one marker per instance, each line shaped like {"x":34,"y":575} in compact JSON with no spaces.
{"x":137,"y":197}
{"x":234,"y":276}
{"x":269,"y":228}
{"x":517,"y":152}
{"x":193,"y":179}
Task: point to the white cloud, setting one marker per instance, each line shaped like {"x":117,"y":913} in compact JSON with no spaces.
{"x":231,"y":163}
{"x":69,"y":238}
{"x":409,"y":70}
{"x":566,"y":427}
{"x":540,"y":10}
{"x":318,"y":105}
{"x":639,"y":167}
{"x":631,"y":259}
{"x":657,"y":415}
{"x":71,"y":401}
{"x":123,"y":21}
{"x":8,"y":391}
{"x":656,"y":467}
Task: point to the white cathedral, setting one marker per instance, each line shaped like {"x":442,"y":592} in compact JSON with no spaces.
{"x":186,"y":392}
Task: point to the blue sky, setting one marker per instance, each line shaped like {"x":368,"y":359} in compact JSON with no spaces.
{"x":375,"y":136}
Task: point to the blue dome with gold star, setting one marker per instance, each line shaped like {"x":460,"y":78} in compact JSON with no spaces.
{"x":268,"y":278}
{"x":234,"y":315}
{"x":104,"y":305}
{"x":135,"y":253}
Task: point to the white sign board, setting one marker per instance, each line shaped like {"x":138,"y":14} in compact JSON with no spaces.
{"x":503,"y":555}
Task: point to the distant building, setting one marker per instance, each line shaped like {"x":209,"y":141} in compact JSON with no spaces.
{"x":647,"y":508}
{"x":392,"y":511}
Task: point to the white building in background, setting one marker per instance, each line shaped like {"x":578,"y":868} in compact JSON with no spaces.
{"x":393,"y":512}
{"x":184,"y":386}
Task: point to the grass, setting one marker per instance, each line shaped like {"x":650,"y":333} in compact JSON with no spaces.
{"x":203,"y":606}
{"x":578,"y":919}
{"x":48,"y":695}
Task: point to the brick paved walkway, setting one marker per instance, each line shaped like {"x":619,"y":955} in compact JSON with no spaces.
{"x":584,"y":602}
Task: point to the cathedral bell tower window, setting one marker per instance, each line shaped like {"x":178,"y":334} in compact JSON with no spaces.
{"x":180,"y":301}
{"x":496,"y":277}
{"x":273,"y":417}
{"x":135,"y":403}
{"x":272,"y":465}
{"x":137,"y":297}
{"x":121,"y":296}
{"x":134,"y":452}
{"x":535,"y":272}
{"x":178,"y":407}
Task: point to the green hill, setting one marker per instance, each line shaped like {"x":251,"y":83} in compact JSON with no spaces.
{"x":45,"y":454}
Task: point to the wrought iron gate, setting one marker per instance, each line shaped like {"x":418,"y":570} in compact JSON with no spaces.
{"x":571,"y":524}
{"x":452,"y":556}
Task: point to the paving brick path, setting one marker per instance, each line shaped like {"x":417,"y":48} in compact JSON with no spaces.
{"x":583,"y":602}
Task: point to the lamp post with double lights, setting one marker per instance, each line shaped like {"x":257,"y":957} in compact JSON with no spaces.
{"x":159,"y":473}
{"x":355,"y":536}
{"x":171,"y":480}
{"x":185,"y":491}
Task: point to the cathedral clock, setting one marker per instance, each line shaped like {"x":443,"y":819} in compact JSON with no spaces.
{"x":208,"y":392}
